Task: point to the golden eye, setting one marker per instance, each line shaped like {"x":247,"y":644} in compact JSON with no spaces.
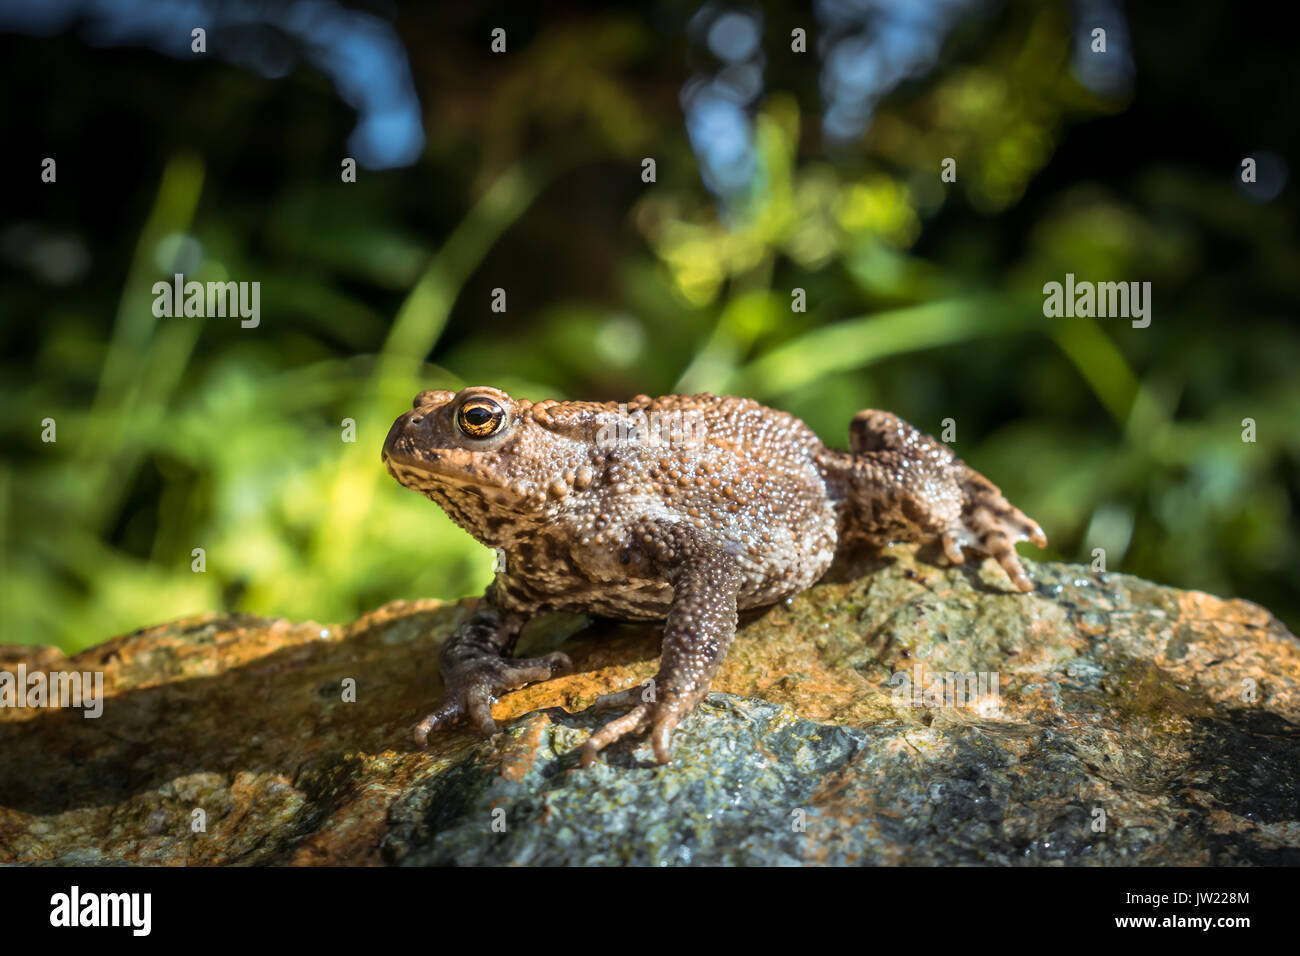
{"x":480,"y":418}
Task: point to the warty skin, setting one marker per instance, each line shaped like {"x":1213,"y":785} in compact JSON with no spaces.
{"x":684,"y":508}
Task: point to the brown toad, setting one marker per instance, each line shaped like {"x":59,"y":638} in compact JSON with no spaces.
{"x":685,"y":508}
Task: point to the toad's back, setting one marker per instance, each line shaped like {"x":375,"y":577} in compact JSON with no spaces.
{"x":727,"y":470}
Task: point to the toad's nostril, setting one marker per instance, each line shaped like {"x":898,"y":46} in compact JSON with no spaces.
{"x":416,"y":419}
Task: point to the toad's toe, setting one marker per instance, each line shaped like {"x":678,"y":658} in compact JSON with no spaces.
{"x":633,"y":722}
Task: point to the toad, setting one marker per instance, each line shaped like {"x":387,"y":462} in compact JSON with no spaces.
{"x":684,"y":509}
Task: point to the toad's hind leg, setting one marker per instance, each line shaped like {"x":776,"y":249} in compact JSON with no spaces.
{"x":700,"y":628}
{"x":906,"y":486}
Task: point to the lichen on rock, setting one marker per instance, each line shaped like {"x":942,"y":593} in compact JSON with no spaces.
{"x":897,"y":713}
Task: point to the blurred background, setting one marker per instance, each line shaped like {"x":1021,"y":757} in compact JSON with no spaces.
{"x":776,"y":168}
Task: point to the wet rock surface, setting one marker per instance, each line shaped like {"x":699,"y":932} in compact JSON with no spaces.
{"x":898,"y":713}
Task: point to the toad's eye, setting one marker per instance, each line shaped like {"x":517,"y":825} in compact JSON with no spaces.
{"x":480,"y":418}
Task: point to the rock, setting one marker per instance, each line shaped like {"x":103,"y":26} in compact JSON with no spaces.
{"x":1118,"y":721}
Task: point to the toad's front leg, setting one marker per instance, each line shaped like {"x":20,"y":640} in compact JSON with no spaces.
{"x":476,"y":666}
{"x":700,"y":628}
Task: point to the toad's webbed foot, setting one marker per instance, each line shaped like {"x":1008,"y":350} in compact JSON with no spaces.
{"x":635,"y":721}
{"x":906,"y":486}
{"x":660,"y":719}
{"x":991,"y":525}
{"x":474,"y":670}
{"x":470,"y":691}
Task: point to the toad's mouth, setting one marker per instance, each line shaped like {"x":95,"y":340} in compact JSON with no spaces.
{"x":422,"y":471}
{"x":430,"y":476}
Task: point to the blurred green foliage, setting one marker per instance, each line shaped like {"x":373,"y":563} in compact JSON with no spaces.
{"x":924,"y":298}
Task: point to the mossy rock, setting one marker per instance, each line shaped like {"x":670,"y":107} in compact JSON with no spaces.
{"x":1129,"y":723}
